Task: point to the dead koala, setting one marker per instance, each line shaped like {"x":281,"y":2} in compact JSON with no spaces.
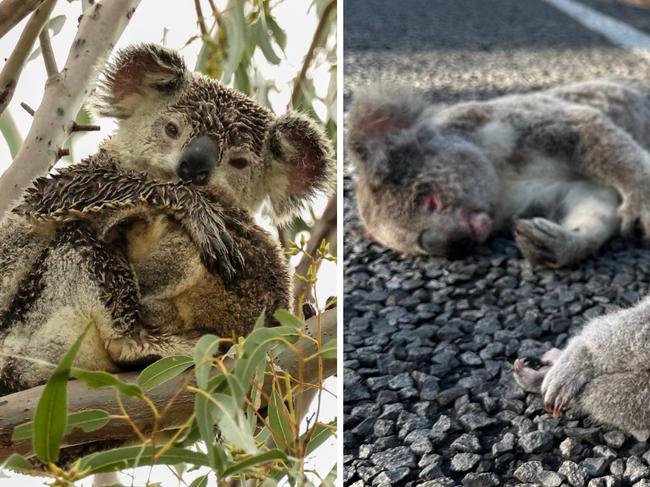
{"x":150,"y":261}
{"x":565,"y":169}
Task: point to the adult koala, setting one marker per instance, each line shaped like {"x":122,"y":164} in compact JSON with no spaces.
{"x":150,"y":239}
{"x":565,"y":168}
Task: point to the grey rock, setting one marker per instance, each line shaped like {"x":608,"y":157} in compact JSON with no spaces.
{"x":505,"y":444}
{"x":484,"y":479}
{"x":473,"y":422}
{"x":528,"y":471}
{"x":570,"y":447}
{"x":635,"y":469}
{"x":595,"y":466}
{"x":536,"y":441}
{"x":575,"y":474}
{"x":466,"y":443}
{"x":393,"y":458}
{"x":614,"y":439}
{"x":441,"y":482}
{"x":463,"y":462}
{"x":617,"y":467}
{"x":550,"y":479}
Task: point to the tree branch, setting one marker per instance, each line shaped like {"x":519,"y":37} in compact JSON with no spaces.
{"x":14,"y":65}
{"x":310,"y":53}
{"x":13,"y":11}
{"x":47,"y":52}
{"x":324,"y":228}
{"x":99,"y":30}
{"x":199,"y":18}
{"x":19,"y":407}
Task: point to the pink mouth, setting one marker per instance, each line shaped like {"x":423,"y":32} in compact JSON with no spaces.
{"x":476,"y":225}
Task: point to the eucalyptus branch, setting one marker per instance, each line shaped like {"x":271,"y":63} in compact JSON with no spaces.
{"x":199,"y":17}
{"x":13,"y":67}
{"x":295,"y":94}
{"x":324,"y":228}
{"x":47,"y":52}
{"x":18,"y":408}
{"x":13,"y":11}
{"x":99,"y":29}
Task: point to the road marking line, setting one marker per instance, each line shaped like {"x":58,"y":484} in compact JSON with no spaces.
{"x":614,"y":30}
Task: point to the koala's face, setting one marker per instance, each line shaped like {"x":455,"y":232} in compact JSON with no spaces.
{"x":183,"y":126}
{"x":420,"y":190}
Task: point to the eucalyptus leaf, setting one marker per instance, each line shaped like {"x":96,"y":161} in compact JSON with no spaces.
{"x":242,"y":466}
{"x":201,"y":481}
{"x":98,"y":378}
{"x":287,"y":319}
{"x":87,"y":420}
{"x":164,"y":370}
{"x":329,"y":349}
{"x":51,"y":414}
{"x":17,"y":463}
{"x":131,"y":456}
{"x":232,"y":423}
{"x":278,"y":419}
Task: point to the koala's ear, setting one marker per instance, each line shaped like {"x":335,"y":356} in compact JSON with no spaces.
{"x":299,"y":160}
{"x":138,"y":72}
{"x":377,"y":113}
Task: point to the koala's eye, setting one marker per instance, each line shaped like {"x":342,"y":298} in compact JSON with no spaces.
{"x":172,"y":130}
{"x":433,"y":202}
{"x":238,"y":162}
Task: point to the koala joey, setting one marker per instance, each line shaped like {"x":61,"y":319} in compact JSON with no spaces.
{"x":565,"y":169}
{"x":602,"y":372}
{"x":150,"y":240}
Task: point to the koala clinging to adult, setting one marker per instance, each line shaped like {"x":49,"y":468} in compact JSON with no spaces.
{"x":602,"y":372}
{"x":565,"y":169}
{"x":153,"y":259}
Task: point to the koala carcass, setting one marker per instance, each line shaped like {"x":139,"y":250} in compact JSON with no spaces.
{"x":565,"y":169}
{"x":602,"y":372}
{"x":153,"y":259}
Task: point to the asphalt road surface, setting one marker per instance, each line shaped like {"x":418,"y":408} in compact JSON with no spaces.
{"x":429,"y":394}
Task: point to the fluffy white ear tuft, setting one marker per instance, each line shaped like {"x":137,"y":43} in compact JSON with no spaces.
{"x":300,"y":164}
{"x":138,"y":72}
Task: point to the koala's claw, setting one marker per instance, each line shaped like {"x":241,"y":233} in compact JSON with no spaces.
{"x":542,"y":241}
{"x":528,"y":378}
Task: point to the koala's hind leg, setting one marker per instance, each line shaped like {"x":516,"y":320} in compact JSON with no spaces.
{"x":590,"y":218}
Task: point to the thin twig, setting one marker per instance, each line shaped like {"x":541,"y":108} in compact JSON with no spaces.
{"x":47,"y":52}
{"x":200,"y":19}
{"x":13,"y":11}
{"x":84,"y":128}
{"x":27,"y":108}
{"x":14,"y":65}
{"x":310,"y":53}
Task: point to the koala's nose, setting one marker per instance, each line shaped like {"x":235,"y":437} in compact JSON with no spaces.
{"x":198,"y":160}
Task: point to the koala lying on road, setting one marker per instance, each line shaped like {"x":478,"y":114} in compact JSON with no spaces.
{"x":566,"y":168}
{"x":603,"y":372}
{"x":152,"y":262}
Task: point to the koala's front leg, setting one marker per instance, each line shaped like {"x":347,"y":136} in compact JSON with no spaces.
{"x":85,"y":191}
{"x":603,"y":151}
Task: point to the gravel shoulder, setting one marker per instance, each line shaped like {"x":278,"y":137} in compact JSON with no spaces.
{"x":429,"y":394}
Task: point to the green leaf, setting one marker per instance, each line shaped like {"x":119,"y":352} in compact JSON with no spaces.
{"x":242,"y":466}
{"x":329,"y":349}
{"x":321,"y":433}
{"x":17,"y":463}
{"x":201,"y":481}
{"x":278,"y":418}
{"x":263,"y":40}
{"x":260,"y":322}
{"x":256,"y":345}
{"x":163,"y":370}
{"x":98,"y":378}
{"x":87,"y":420}
{"x":56,"y":24}
{"x":51,"y":413}
{"x":205,"y":423}
{"x":203,"y":353}
{"x":10,"y":132}
{"x":131,"y":456}
{"x":232,"y":423}
{"x":330,"y":479}
{"x":279,"y":34}
{"x":287,"y":319}
{"x":237,"y":34}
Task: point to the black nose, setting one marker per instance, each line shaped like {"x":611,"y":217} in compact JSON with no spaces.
{"x":199,"y":160}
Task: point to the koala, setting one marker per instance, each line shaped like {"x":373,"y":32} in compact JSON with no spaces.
{"x":564,"y":169}
{"x":601,"y":373}
{"x":151,"y":240}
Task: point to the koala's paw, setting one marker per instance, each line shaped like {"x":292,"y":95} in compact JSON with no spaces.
{"x":530,"y":379}
{"x":564,"y":380}
{"x":635,"y":215}
{"x":543,"y":242}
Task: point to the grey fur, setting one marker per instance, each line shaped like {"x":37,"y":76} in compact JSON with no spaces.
{"x":150,"y":262}
{"x":602,"y":372}
{"x":565,"y":169}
